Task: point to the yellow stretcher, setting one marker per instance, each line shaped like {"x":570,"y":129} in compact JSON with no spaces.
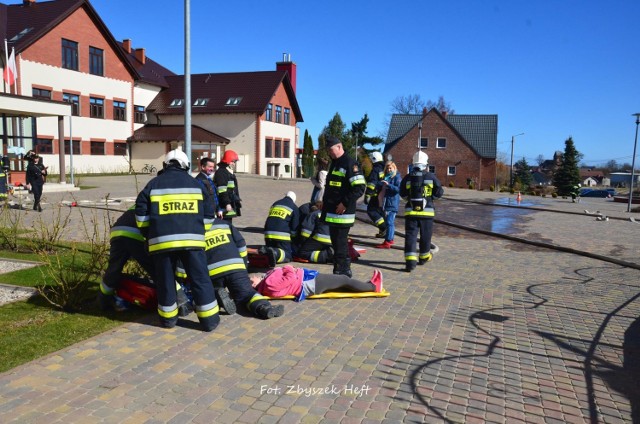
{"x":338,"y":295}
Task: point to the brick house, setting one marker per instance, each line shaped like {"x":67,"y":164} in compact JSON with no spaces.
{"x":461,"y":148}
{"x":65,"y":55}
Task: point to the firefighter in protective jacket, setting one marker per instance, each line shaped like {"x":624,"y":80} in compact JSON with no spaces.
{"x":345,"y":184}
{"x":227,"y":258}
{"x":227,"y":185}
{"x":374,"y":208}
{"x":171,"y":212}
{"x":315,"y":241}
{"x":281,"y":227}
{"x":419,"y":188}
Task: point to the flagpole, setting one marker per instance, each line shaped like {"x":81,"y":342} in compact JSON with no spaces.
{"x":6,"y":63}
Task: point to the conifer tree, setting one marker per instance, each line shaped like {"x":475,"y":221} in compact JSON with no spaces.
{"x":567,"y":175}
{"x":307,"y":155}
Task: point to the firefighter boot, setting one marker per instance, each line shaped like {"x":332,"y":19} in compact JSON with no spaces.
{"x":268,"y":311}
{"x":222,"y":296}
{"x":209,"y":323}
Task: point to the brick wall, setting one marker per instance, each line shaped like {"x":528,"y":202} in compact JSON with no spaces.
{"x":457,"y":153}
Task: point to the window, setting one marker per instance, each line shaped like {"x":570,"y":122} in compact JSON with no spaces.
{"x":278,"y":114}
{"x":424,"y":143}
{"x":201,"y":102}
{"x":119,"y":111}
{"x":96,"y":61}
{"x":451,"y":170}
{"x":233,"y":101}
{"x":120,"y":149}
{"x":268,"y":112}
{"x":97,"y":148}
{"x":268,"y":148}
{"x":441,"y":143}
{"x":432,"y":169}
{"x":74,"y":99}
{"x":43,"y":146}
{"x":69,"y":54}
{"x":139,"y":115}
{"x":286,"y":147}
{"x":287,"y":116}
{"x":40,"y":93}
{"x":96,"y":107}
{"x":76,"y":147}
{"x":278,"y":148}
{"x":176,"y":102}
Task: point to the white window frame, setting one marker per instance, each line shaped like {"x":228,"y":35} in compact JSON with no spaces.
{"x":438,"y":145}
{"x":450,"y":169}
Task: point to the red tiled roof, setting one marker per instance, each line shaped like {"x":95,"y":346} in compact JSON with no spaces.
{"x":176,"y":133}
{"x":255,"y":88}
{"x":36,"y":19}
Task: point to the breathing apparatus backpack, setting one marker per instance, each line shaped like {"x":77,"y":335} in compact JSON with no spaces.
{"x":417,"y":190}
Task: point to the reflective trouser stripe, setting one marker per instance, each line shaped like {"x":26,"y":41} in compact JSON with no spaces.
{"x":411,"y":256}
{"x":106,"y":289}
{"x":168,"y":311}
{"x":256,"y":297}
{"x":205,"y":311}
{"x":425,"y":255}
{"x":379,"y":222}
{"x":277,"y":235}
{"x":315,"y":255}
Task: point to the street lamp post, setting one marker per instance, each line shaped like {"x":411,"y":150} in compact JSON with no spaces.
{"x":511,"y":166}
{"x":633,"y":161}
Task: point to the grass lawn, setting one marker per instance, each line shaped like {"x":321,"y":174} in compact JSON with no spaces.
{"x":34,"y":328}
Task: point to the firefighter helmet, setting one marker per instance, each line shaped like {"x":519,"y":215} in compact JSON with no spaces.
{"x":178,"y":156}
{"x":420,"y":158}
{"x":376,"y":157}
{"x":229,"y":157}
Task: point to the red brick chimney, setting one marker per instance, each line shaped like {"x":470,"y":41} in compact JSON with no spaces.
{"x":289,"y":66}
{"x":28,"y":2}
{"x":444,"y":114}
{"x":126,"y":44}
{"x":140,"y":55}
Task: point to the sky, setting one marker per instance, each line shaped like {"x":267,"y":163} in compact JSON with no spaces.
{"x":548,"y":69}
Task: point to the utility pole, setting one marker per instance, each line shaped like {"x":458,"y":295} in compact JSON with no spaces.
{"x":513,"y":137}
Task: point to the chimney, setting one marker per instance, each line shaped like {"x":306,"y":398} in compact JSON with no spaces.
{"x":126,"y":44}
{"x":424,"y":111}
{"x":290,"y":67}
{"x":444,"y":114}
{"x":28,"y":2}
{"x":141,"y":56}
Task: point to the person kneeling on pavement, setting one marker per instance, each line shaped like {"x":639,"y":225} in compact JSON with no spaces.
{"x":227,"y":262}
{"x":127,"y":242}
{"x":303,"y":282}
{"x":281,"y":226}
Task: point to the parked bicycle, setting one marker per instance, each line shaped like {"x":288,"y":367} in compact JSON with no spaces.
{"x":148,"y":169}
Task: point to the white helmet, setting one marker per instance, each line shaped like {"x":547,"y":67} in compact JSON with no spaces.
{"x":376,"y":156}
{"x":420,"y":158}
{"x":291,"y":195}
{"x":178,"y":156}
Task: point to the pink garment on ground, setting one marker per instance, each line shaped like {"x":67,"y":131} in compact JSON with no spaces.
{"x":282,"y":281}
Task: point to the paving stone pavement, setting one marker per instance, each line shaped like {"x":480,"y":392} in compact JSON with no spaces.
{"x":492,"y":330}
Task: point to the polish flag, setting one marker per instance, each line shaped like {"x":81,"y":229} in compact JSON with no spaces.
{"x":10,"y":71}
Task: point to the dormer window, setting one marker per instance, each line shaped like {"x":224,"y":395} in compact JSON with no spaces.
{"x":233,"y":101}
{"x":201,"y":102}
{"x":176,"y":103}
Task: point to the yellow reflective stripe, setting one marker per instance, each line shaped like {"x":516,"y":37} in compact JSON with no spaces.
{"x":225,"y":268}
{"x":257,"y":297}
{"x":208,"y":313}
{"x":340,"y":219}
{"x":379,"y":221}
{"x":338,"y":173}
{"x":278,"y":236}
{"x":175,"y":197}
{"x":166,"y":312}
{"x":322,"y":238}
{"x":177,"y":244}
{"x":128,"y":234}
{"x":411,"y":256}
{"x":315,"y":255}
{"x":106,"y":289}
